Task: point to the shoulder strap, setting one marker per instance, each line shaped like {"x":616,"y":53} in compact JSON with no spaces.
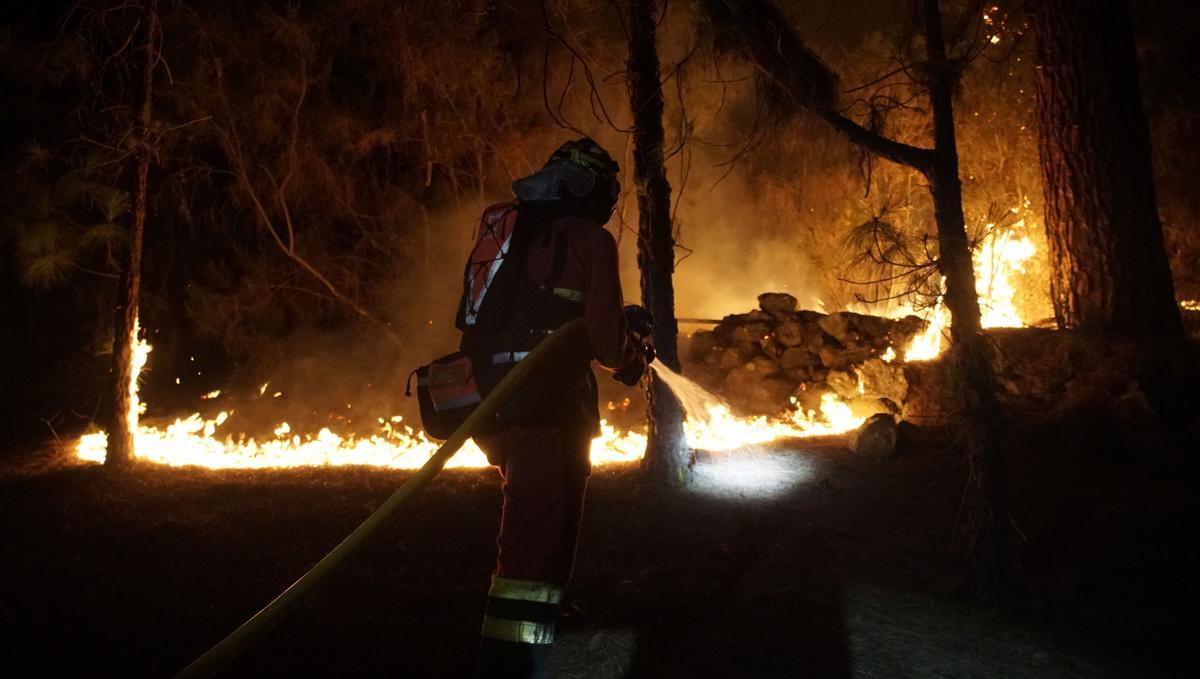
{"x":560,"y":259}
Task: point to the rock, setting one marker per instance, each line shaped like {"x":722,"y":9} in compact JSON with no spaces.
{"x":750,"y":332}
{"x":702,"y":344}
{"x":837,"y":326}
{"x":857,"y":353}
{"x":876,"y":437}
{"x":807,"y":397}
{"x":790,"y":333}
{"x":833,"y":358}
{"x":873,"y":328}
{"x":806,"y":317}
{"x":799,"y":375}
{"x":815,"y":339}
{"x":770,"y":348}
{"x":763,"y":366}
{"x":884,"y":380}
{"x":730,"y":323}
{"x":756,"y":391}
{"x":779,"y":304}
{"x":731,"y":358}
{"x":844,"y":384}
{"x":866,"y":406}
{"x":796,"y":357}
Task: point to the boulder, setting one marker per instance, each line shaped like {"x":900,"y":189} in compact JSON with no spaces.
{"x":756,"y":391}
{"x":807,"y":396}
{"x":857,"y":353}
{"x":732,"y":358}
{"x":794,"y":358}
{"x":750,"y":332}
{"x":833,"y":358}
{"x":730,"y":323}
{"x":770,"y":348}
{"x":805,"y":316}
{"x":837,"y":325}
{"x":815,"y":339}
{"x":790,"y":333}
{"x":874,"y":329}
{"x":779,"y":304}
{"x":702,"y":344}
{"x":762,"y":366}
{"x":844,"y":383}
{"x":867,"y":406}
{"x":876,"y":437}
{"x":884,"y":380}
{"x":798,"y":375}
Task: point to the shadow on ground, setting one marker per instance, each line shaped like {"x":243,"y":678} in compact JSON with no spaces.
{"x":848,"y":572}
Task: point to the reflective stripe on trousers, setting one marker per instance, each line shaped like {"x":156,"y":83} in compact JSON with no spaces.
{"x":521,"y":611}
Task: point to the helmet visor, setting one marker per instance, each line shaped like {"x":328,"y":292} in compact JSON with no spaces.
{"x":548,"y":183}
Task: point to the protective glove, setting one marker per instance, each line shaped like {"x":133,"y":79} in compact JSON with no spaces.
{"x":632,"y":372}
{"x":639,"y":321}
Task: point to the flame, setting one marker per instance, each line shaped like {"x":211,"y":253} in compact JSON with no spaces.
{"x":711,"y":425}
{"x":1002,"y":254}
{"x":199,"y":441}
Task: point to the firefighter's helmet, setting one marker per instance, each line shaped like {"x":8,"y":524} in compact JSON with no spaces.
{"x":579,"y":172}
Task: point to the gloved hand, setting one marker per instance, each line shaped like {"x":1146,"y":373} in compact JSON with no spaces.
{"x":632,"y":372}
{"x":639,"y":321}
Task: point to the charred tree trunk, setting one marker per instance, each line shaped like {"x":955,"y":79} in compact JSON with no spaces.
{"x":122,"y":418}
{"x":1109,"y":267}
{"x":981,"y":418}
{"x":667,"y":455}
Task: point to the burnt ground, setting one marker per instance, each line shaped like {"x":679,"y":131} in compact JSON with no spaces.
{"x":849,"y":572}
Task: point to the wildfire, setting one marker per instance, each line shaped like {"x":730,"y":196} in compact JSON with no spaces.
{"x":1002,"y":254}
{"x":203,"y":442}
{"x":711,"y":425}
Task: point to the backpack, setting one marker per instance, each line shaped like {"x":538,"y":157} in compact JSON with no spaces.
{"x":502,"y":315}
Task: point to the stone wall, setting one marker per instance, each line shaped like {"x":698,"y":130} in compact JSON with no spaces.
{"x":762,"y":360}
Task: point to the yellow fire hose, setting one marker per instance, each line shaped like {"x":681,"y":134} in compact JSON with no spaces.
{"x":262,"y":622}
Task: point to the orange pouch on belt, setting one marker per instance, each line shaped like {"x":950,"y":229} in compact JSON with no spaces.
{"x":446,"y":393}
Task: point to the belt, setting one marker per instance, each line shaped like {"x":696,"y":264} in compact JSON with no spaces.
{"x":508,"y":357}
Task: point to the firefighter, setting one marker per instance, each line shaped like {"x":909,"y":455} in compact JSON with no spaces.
{"x":539,"y":262}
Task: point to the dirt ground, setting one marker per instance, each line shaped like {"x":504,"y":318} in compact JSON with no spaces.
{"x":826,"y":564}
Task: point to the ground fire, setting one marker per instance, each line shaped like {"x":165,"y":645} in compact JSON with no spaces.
{"x":712,"y":425}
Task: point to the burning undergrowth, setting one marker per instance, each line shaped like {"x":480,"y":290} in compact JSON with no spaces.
{"x":791,"y":373}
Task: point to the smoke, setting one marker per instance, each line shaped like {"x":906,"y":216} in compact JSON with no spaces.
{"x":755,"y":210}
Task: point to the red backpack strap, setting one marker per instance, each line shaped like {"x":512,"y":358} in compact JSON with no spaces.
{"x":496,"y":229}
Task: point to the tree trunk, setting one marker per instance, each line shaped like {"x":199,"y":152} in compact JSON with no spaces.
{"x":667,"y":455}
{"x":1109,"y":267}
{"x":122,"y":419}
{"x":763,"y":35}
{"x":981,"y":418}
